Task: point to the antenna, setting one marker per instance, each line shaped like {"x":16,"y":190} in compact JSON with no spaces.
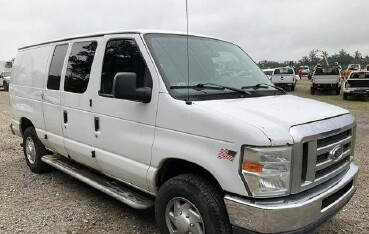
{"x":188,"y":102}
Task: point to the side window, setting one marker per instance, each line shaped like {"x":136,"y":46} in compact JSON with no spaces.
{"x":56,"y":66}
{"x":123,"y":55}
{"x":79,"y":66}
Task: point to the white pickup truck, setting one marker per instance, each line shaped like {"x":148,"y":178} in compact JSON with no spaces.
{"x":357,"y":84}
{"x":326,"y":79}
{"x":284,"y":77}
{"x":5,"y":80}
{"x":215,"y":148}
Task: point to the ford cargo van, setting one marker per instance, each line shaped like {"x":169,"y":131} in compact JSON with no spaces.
{"x":198,"y":132}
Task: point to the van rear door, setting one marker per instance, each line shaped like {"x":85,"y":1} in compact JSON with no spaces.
{"x":77,"y":123}
{"x":51,"y":99}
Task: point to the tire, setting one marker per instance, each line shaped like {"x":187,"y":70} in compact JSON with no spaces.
{"x":312,"y":91}
{"x":338,"y":91}
{"x":6,"y":87}
{"x":33,"y":151}
{"x":345,"y":96}
{"x":293,"y":88}
{"x":199,"y":194}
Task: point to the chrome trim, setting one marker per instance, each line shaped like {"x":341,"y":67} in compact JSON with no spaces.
{"x":310,"y":133}
{"x":290,"y":213}
{"x":328,"y":148}
{"x":329,"y":162}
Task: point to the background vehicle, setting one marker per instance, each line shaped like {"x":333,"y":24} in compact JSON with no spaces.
{"x":6,"y":80}
{"x":284,"y":77}
{"x":357,"y":84}
{"x":305,"y":70}
{"x":1,"y":80}
{"x":326,"y":78}
{"x":200,"y":146}
{"x":351,"y":67}
{"x":268,"y":72}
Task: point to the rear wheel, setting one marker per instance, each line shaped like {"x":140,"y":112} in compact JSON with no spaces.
{"x":293,"y":88}
{"x":33,"y":151}
{"x":312,"y":91}
{"x":6,"y":86}
{"x":345,"y":96}
{"x":191,"y":204}
{"x":338,"y":90}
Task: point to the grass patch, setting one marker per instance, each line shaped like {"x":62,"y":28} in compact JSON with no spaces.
{"x":354,"y":103}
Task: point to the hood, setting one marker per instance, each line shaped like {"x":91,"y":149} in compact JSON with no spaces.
{"x":274,"y":115}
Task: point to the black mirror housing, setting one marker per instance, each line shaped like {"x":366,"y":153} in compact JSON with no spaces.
{"x":124,"y":87}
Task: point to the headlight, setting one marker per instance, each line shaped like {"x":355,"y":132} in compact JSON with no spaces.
{"x":267,"y":170}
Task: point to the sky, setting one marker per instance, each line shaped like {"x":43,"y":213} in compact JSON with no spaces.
{"x":277,"y":30}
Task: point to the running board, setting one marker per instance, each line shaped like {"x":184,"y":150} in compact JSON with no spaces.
{"x":103,"y":183}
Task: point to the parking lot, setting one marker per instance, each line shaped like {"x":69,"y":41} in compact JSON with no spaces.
{"x":57,"y":203}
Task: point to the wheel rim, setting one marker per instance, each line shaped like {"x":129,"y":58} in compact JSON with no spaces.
{"x":30,"y":150}
{"x":183,"y":217}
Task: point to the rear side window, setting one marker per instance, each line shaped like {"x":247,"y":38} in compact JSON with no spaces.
{"x":79,"y":66}
{"x":56,"y":66}
{"x":123,"y":55}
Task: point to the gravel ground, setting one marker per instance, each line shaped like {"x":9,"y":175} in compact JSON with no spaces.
{"x":56,"y":203}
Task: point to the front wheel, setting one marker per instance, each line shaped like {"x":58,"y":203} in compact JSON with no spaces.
{"x":293,"y":88}
{"x":191,"y":204}
{"x":345,"y":96}
{"x":33,"y":151}
{"x":312,"y":91}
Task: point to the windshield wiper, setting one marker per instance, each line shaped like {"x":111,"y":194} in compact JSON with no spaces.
{"x":202,"y":86}
{"x":263,"y":86}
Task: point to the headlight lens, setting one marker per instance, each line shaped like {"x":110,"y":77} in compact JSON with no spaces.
{"x":267,"y":170}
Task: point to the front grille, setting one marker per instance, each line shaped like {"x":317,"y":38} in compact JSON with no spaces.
{"x":318,"y":161}
{"x":323,"y":150}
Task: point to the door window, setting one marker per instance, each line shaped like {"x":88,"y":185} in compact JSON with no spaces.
{"x":123,"y":55}
{"x":56,"y":66}
{"x":79,"y":66}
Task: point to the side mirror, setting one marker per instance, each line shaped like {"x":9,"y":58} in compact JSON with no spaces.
{"x":124,"y":87}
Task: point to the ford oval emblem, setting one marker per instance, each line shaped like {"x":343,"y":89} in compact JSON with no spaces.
{"x":336,"y":152}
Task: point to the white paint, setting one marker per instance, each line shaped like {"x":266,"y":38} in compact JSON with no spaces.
{"x":135,"y":139}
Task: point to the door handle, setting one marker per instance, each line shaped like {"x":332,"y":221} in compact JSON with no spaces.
{"x":97,"y":124}
{"x":65,"y":117}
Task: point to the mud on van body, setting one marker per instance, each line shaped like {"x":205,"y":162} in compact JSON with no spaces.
{"x":214,"y":150}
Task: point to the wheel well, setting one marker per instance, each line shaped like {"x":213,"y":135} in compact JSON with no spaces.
{"x":25,"y":123}
{"x":174,"y":167}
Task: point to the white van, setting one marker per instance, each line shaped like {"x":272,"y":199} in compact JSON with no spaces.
{"x":214,"y":150}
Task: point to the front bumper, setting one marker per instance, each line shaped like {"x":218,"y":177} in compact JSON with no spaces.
{"x":303,"y":212}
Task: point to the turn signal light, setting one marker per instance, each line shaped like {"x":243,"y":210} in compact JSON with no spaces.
{"x":252,"y":167}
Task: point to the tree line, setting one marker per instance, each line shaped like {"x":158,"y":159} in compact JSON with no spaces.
{"x":314,"y":57}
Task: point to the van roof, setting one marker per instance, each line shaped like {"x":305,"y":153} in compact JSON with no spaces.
{"x":116,"y":32}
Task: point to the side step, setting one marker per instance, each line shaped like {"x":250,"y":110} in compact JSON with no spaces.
{"x":103,"y":183}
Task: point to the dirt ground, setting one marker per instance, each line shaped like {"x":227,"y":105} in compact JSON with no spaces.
{"x":56,"y":203}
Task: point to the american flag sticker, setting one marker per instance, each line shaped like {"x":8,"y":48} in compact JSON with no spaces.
{"x":227,"y":154}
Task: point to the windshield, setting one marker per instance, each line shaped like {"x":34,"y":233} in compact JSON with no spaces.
{"x":353,"y":67}
{"x":327,"y":71}
{"x":284,"y":71}
{"x":6,"y":74}
{"x":269,"y":73}
{"x":359,"y":75}
{"x":305,"y":68}
{"x":210,"y":61}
